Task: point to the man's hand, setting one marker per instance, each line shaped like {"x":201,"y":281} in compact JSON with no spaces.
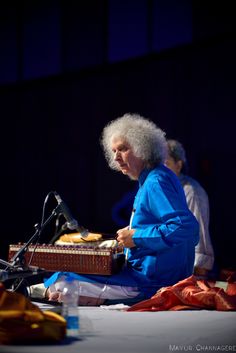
{"x":124,"y":237}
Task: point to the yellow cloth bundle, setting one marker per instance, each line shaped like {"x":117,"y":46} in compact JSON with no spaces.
{"x":22,"y":322}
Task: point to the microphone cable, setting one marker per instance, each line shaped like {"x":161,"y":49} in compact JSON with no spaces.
{"x":41,"y":224}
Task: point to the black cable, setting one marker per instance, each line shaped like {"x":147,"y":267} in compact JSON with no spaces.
{"x":41,"y":225}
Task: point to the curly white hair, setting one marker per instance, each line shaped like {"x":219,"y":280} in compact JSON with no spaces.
{"x":147,"y":141}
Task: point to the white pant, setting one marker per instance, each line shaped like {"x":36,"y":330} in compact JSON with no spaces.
{"x":87,"y":289}
{"x":99,"y":290}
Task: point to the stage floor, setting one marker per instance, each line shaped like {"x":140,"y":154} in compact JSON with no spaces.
{"x":115,"y":331}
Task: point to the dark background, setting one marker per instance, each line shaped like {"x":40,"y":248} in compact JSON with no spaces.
{"x":69,"y":67}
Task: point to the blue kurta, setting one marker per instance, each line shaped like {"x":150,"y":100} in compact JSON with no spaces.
{"x":166,"y":231}
{"x":166,"y":234}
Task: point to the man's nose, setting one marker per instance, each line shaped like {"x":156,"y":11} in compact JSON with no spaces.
{"x":117,"y":155}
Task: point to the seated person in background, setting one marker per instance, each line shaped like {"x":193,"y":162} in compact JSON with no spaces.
{"x":160,"y":240}
{"x":198,"y":203}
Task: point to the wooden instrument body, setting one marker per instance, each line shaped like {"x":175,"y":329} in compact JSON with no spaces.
{"x":72,"y":258}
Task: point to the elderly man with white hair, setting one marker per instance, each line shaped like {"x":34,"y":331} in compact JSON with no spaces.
{"x":160,"y":240}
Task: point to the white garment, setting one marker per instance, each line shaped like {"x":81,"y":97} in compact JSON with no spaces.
{"x":198,"y":203}
{"x":99,"y":290}
{"x":93,"y":290}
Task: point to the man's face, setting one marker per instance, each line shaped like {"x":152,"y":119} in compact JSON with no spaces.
{"x":127,"y":162}
{"x":173,"y":165}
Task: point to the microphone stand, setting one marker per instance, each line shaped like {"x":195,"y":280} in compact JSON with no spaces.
{"x":18,"y":259}
{"x":17,"y":267}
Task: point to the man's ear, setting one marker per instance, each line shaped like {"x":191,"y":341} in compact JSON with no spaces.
{"x":179,"y":166}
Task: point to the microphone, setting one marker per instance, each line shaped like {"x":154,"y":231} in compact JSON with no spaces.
{"x":71,"y":223}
